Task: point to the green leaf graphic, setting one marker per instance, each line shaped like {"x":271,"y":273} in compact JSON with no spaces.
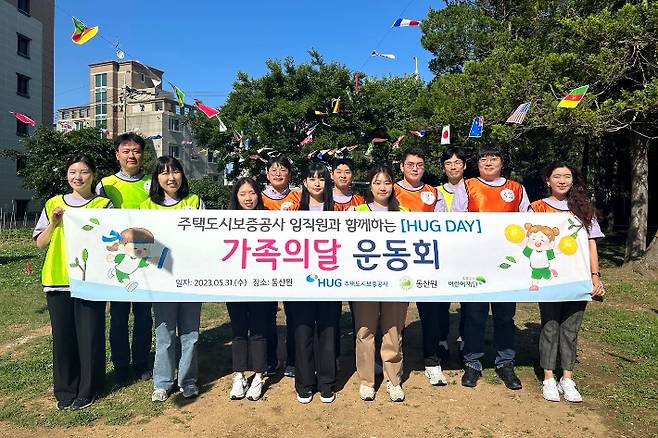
{"x":85,"y":255}
{"x":73,"y":265}
{"x":481,"y":279}
{"x":511,"y":259}
{"x":504,"y":266}
{"x":93,"y":220}
{"x":570,"y":221}
{"x":87,"y":228}
{"x":575,"y":235}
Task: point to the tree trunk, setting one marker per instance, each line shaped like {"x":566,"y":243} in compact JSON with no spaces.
{"x":636,"y":241}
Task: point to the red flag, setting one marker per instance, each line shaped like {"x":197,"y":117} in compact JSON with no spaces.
{"x":377,"y":140}
{"x":356,"y":83}
{"x":207,"y":110}
{"x":28,"y":269}
{"x":307,"y":140}
{"x":25,"y":119}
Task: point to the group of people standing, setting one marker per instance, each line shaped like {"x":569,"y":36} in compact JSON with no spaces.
{"x":312,"y":328}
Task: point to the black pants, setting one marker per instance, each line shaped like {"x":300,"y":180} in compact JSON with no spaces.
{"x":315,"y":366}
{"x":273,"y":337}
{"x":337,"y":341}
{"x":250,"y":325}
{"x":142,"y":335}
{"x":475,"y":320}
{"x":435,"y":324}
{"x":78,"y":328}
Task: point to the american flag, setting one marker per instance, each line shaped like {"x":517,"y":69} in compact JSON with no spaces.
{"x":519,"y":114}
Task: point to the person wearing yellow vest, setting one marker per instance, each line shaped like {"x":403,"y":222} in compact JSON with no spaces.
{"x":368,"y":315}
{"x":128,"y":188}
{"x":490,"y":192}
{"x":415,"y":195}
{"x":170,"y":191}
{"x":78,"y":326}
{"x":453,"y":161}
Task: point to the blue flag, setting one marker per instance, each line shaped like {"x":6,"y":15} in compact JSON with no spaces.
{"x":477,"y":127}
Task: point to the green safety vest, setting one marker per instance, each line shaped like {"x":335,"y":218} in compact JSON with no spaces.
{"x":190,"y":202}
{"x":55,"y":267}
{"x":126,"y":194}
{"x":447,"y":196}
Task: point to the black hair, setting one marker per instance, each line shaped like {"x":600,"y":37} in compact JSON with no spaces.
{"x":81,"y":158}
{"x":343,"y":161}
{"x":454,"y":150}
{"x":578,"y":199}
{"x":491,"y":150}
{"x":318,"y":170}
{"x":393,"y":204}
{"x":281,"y":160}
{"x":129,"y":137}
{"x":413,"y":151}
{"x":162,"y":164}
{"x":234,"y":204}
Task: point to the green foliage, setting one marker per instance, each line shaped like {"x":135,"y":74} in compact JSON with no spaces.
{"x":214,"y":195}
{"x":47,"y":151}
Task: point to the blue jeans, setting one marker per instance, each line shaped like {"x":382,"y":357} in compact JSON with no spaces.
{"x":168,"y":318}
{"x":475,"y":316}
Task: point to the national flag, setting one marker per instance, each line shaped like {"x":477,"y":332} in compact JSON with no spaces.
{"x":311,"y":155}
{"x":25,"y":119}
{"x":574,"y":97}
{"x":445,"y":135}
{"x":319,"y":113}
{"x":180,"y":96}
{"x":477,"y":127}
{"x":82,"y":33}
{"x":420,"y":133}
{"x":335,"y":103}
{"x":311,"y":129}
{"x":519,"y":114}
{"x":351,"y":148}
{"x":378,"y":140}
{"x":308,"y":139}
{"x":222,"y":126}
{"x":382,"y":55}
{"x":207,"y":110}
{"x":404,"y":22}
{"x":396,"y":144}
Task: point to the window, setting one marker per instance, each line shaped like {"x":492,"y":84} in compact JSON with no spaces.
{"x":158,"y":107}
{"x":211,"y":157}
{"x":24,"y":6}
{"x":21,"y":128}
{"x":174,"y":150}
{"x":101,"y":80}
{"x":174,"y":124}
{"x":22,"y":85}
{"x":142,"y":77}
{"x":100,"y":96}
{"x":23,"y":45}
{"x":78,"y":125}
{"x":65,"y":114}
{"x":21,"y":207}
{"x":101,"y":122}
{"x":214,"y":178}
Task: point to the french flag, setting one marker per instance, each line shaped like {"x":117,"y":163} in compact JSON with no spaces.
{"x":405,"y":22}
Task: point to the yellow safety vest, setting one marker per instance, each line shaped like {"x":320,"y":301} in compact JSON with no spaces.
{"x":55,"y":267}
{"x":190,"y":202}
{"x":447,"y":196}
{"x":364,"y":207}
{"x":126,"y":194}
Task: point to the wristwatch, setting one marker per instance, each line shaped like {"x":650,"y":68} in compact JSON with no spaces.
{"x":598,"y":274}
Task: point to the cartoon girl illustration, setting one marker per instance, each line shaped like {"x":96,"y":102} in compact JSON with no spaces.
{"x":133,"y":252}
{"x":540,"y":250}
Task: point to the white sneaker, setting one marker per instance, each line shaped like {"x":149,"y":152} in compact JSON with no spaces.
{"x":367,"y":393}
{"x":159,"y":395}
{"x":435,"y":376}
{"x":395,"y":392}
{"x":255,"y":390}
{"x":549,"y":390}
{"x":305,"y":399}
{"x":239,"y":388}
{"x":567,"y":387}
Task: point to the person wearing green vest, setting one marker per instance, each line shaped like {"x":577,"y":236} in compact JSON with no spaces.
{"x":128,"y":188}
{"x":78,"y":326}
{"x":170,"y":191}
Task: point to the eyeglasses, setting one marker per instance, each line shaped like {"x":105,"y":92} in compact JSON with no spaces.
{"x":414,"y":165}
{"x":489,"y":160}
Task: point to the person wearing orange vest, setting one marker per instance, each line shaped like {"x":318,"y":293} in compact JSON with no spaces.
{"x":128,"y":188}
{"x":415,"y":195}
{"x":344,"y":197}
{"x":278,"y":196}
{"x":490,"y":192}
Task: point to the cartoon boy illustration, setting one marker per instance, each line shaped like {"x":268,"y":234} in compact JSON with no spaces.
{"x":133,"y":252}
{"x":540,"y":249}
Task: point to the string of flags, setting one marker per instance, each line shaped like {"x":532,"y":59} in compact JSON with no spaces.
{"x":405,"y":22}
{"x":382,"y":55}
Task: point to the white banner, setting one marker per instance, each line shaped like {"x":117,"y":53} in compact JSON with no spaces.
{"x":218,"y":255}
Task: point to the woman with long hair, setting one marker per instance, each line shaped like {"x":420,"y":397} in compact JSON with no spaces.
{"x":170,"y":191}
{"x":249,"y":320}
{"x":561,"y":321}
{"x":369,"y":315}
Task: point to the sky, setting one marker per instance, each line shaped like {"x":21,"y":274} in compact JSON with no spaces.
{"x":201,"y":45}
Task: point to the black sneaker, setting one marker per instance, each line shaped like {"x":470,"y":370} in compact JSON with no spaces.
{"x":327,"y":396}
{"x":470,"y":377}
{"x":81,"y":403}
{"x":145,"y":375}
{"x":508,"y":376}
{"x":64,"y":404}
{"x":270,"y":371}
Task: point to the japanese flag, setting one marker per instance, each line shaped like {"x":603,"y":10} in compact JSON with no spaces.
{"x":445,"y":135}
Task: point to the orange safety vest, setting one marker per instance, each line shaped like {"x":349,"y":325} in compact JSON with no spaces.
{"x":485,"y":198}
{"x":289,"y":202}
{"x":422,"y":199}
{"x":541,"y":206}
{"x":353,"y":202}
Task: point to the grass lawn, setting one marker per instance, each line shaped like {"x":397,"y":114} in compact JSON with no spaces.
{"x":617,"y":370}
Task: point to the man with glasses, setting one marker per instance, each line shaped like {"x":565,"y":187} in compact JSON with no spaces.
{"x":415,"y":195}
{"x":490,"y":192}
